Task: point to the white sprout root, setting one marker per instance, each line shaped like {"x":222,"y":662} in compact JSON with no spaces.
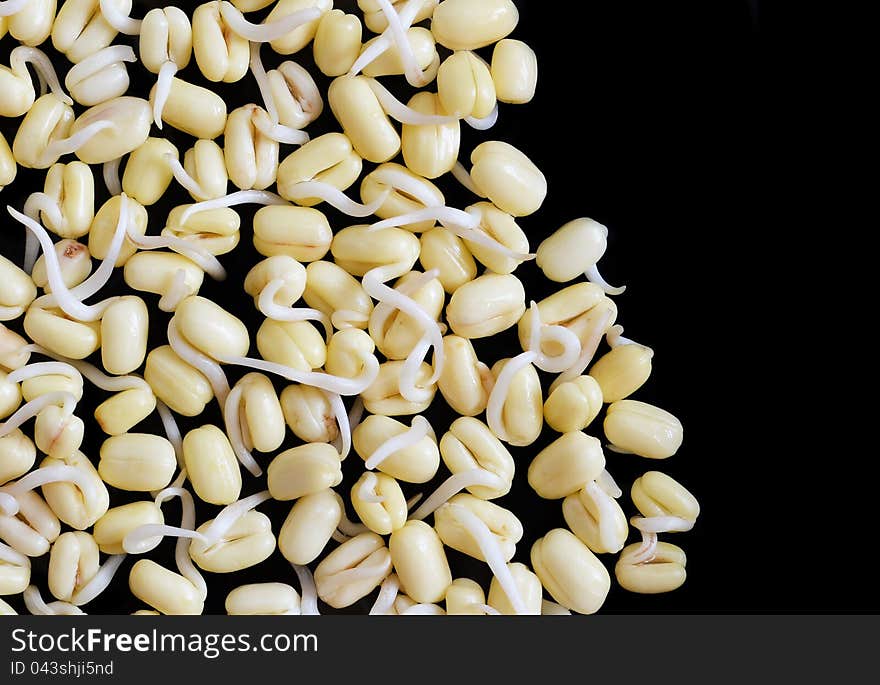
{"x":230,"y":514}
{"x":183,"y":178}
{"x":608,"y":484}
{"x":209,"y":368}
{"x":374,"y":284}
{"x":99,"y":582}
{"x":384,"y":604}
{"x":234,"y":420}
{"x":335,"y":198}
{"x":57,"y":473}
{"x":588,"y":351}
{"x":118,"y":20}
{"x":500,"y":392}
{"x":367,"y":489}
{"x":491,"y":551}
{"x":181,"y":550}
{"x":463,"y":176}
{"x":593,"y":276}
{"x":565,"y":339}
{"x":272,"y":310}
{"x":240,"y":197}
{"x":66,"y":146}
{"x":264,"y":33}
{"x":325,"y":381}
{"x":403,"y":113}
{"x":418,"y":430}
{"x":486,"y":122}
{"x":23,"y":55}
{"x":164,"y":82}
{"x":308,"y":591}
{"x":342,"y":442}
{"x":172,"y":430}
{"x":33,"y":600}
{"x":604,"y":504}
{"x":110,"y":172}
{"x":452,"y":486}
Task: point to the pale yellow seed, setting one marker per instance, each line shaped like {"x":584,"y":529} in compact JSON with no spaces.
{"x":131,"y":118}
{"x":304,"y":470}
{"x":656,"y":494}
{"x":193,"y":109}
{"x":465,"y":597}
{"x":66,"y":499}
{"x":472,"y":24}
{"x":124,"y":410}
{"x":570,"y":572}
{"x":247,"y":543}
{"x":52,"y":329}
{"x":147,"y":174}
{"x":430,"y":150}
{"x":522,"y":414}
{"x":337,"y":42}
{"x":104,"y":226}
{"x":263,"y":599}
{"x":211,"y":465}
{"x":80,"y":29}
{"x":352,"y":570}
{"x":138,"y":462}
{"x":508,"y":178}
{"x":205,"y":163}
{"x":383,"y":396}
{"x":572,"y":249}
{"x":566,"y":465}
{"x":469,"y":445}
{"x":110,"y":530}
{"x":74,"y":260}
{"x":297,"y":344}
{"x":183,"y":388}
{"x":309,"y":526}
{"x":643,"y":429}
{"x":530,"y":591}
{"x":362,"y":118}
{"x":622,"y":371}
{"x":299,"y":232}
{"x":358,"y":250}
{"x":73,"y":562}
{"x":502,"y":523}
{"x":573,"y":405}
{"x":588,"y":520}
{"x":420,"y":562}
{"x":461,"y":382}
{"x":262,"y":412}
{"x":170,"y":593}
{"x":222,"y":55}
{"x":124,"y":329}
{"x":501,"y":227}
{"x":328,"y":159}
{"x":380,"y":517}
{"x":465,"y":86}
{"x":446,"y":252}
{"x":514,"y":71}
{"x":347,"y":351}
{"x":72,"y":186}
{"x":664,"y":573}
{"x":211,"y":329}
{"x":485,"y":306}
{"x":389,"y":62}
{"x":308,"y":412}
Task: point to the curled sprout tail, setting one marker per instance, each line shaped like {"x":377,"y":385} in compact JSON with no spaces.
{"x":593,"y":276}
{"x":419,"y":429}
{"x":172,"y":430}
{"x":568,"y":341}
{"x":614,"y":338}
{"x":23,"y":55}
{"x":588,"y":351}
{"x":367,"y":489}
{"x":119,"y":20}
{"x":486,"y":122}
{"x":452,"y":486}
{"x":28,"y":411}
{"x":183,"y":178}
{"x":66,"y":146}
{"x":272,"y":310}
{"x":33,"y":600}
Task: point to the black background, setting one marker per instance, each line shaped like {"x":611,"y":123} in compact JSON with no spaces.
{"x":650,"y":118}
